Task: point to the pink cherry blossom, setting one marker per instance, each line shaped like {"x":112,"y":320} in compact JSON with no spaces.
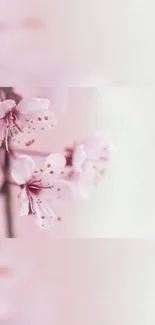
{"x":87,"y":161}
{"x":43,"y":189}
{"x":18,"y":122}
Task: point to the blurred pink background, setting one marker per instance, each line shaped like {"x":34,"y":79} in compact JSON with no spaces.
{"x":78,"y":43}
{"x":77,"y":282}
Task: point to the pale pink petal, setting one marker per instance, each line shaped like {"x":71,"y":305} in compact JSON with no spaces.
{"x":24,"y":138}
{"x":33,"y":106}
{"x":55,"y":162}
{"x":80,"y":184}
{"x":23,"y":169}
{"x":43,"y":119}
{"x":94,"y":171}
{"x":81,"y":190}
{"x":61,"y":192}
{"x":45,"y":217}
{"x":39,"y":121}
{"x":79,"y":156}
{"x":45,"y":224}
{"x":2,"y":131}
{"x":24,"y":203}
{"x":94,"y":144}
{"x":6,"y":106}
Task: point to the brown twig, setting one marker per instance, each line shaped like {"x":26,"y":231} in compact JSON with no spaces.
{"x":7,"y":93}
{"x":7,"y":193}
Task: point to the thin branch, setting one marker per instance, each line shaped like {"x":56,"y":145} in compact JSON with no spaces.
{"x":7,"y":93}
{"x":7,"y":193}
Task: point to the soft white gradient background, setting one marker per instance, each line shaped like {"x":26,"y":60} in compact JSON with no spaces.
{"x":109,"y":42}
{"x":78,"y":282}
{"x":123,"y":203}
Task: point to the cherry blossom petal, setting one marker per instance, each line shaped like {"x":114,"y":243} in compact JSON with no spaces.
{"x":61,"y":192}
{"x":79,"y":157}
{"x":47,"y":116}
{"x":55,"y":162}
{"x":45,"y":224}
{"x":45,"y":217}
{"x":24,"y":138}
{"x":6,"y":106}
{"x":81,"y":190}
{"x":2,"y":131}
{"x":80,"y":184}
{"x":43,"y":119}
{"x":23,"y":169}
{"x":40,"y":121}
{"x":24,"y":203}
{"x":94,"y":144}
{"x":33,"y":106}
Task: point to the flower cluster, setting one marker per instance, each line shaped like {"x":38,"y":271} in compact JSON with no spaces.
{"x":20,"y":121}
{"x":63,"y":177}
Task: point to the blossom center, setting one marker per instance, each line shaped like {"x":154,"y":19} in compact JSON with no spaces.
{"x":34,"y":187}
{"x":69,"y":156}
{"x":11,"y":117}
